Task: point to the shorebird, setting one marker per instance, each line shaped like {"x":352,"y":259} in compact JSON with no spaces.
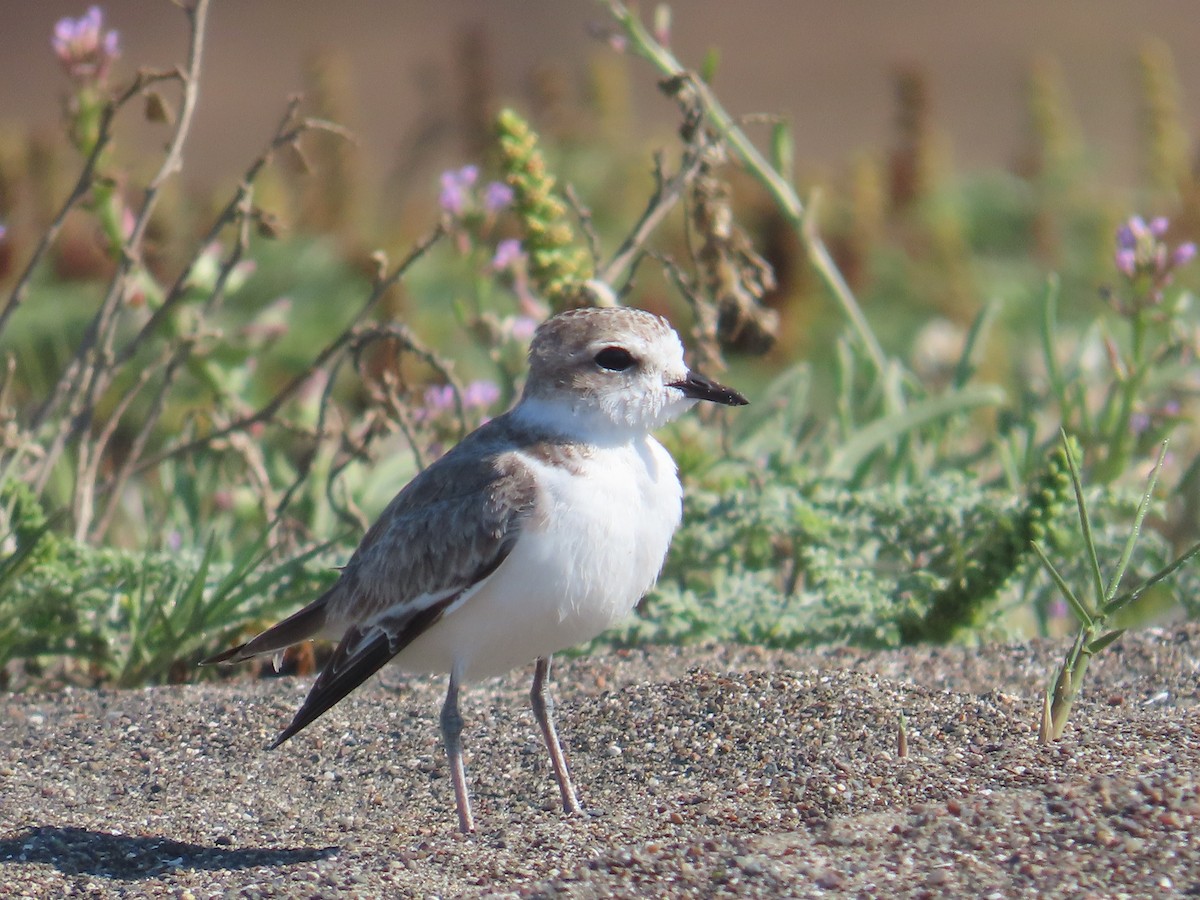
{"x":537,"y":532}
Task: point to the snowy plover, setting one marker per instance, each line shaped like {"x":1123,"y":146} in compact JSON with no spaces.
{"x":537,"y":532}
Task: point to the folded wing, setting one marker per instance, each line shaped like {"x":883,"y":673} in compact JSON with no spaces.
{"x":439,"y":540}
{"x":360,"y":654}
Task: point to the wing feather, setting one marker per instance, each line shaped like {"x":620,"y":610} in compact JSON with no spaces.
{"x":453,"y":525}
{"x":362,"y":652}
{"x":443,"y":535}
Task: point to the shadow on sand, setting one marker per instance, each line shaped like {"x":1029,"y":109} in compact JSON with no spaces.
{"x":81,"y":851}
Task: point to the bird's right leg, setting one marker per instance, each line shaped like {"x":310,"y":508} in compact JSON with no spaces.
{"x":452,"y":737}
{"x":543,"y":712}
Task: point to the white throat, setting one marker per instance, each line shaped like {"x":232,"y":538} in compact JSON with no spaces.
{"x":617,"y":420}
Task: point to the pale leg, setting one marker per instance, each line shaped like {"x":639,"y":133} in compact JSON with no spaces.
{"x":543,"y":711}
{"x":452,"y":737}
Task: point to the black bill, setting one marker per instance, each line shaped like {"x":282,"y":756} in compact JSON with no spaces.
{"x":700,"y":388}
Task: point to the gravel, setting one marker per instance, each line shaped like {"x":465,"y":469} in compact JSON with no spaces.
{"x":705,"y":771}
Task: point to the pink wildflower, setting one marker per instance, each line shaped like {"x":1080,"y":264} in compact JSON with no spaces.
{"x":85,"y":50}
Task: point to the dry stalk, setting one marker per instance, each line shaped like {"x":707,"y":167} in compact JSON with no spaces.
{"x":268,"y":411}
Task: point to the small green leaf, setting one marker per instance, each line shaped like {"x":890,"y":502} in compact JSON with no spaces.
{"x":783,"y":150}
{"x":1085,"y":522}
{"x":1085,"y":616}
{"x":1103,"y":641}
{"x":1136,"y":531}
{"x":965,"y":369}
{"x":1129,"y":596}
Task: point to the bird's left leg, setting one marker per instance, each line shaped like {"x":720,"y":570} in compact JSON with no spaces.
{"x":543,"y":711}
{"x":452,"y":723}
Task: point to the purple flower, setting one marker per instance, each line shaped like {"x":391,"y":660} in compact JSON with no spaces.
{"x":1142,"y":253}
{"x":1137,"y":230}
{"x":1183,"y":255}
{"x":1126,"y":260}
{"x":456,"y":189}
{"x":508,"y":255}
{"x":480,"y":394}
{"x":439,"y":398}
{"x":497,"y":196}
{"x":84,"y":49}
{"x":3,"y":231}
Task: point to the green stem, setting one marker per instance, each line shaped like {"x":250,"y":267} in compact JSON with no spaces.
{"x":1068,"y":683}
{"x":1120,"y":435}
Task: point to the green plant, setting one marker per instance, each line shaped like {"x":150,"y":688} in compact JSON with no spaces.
{"x":133,"y":618}
{"x":1095,"y":613}
{"x":167,"y":617}
{"x":557,"y":265}
{"x":789,"y":559}
{"x":1131,"y":408}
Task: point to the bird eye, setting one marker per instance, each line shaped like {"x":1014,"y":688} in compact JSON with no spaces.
{"x":615,"y":359}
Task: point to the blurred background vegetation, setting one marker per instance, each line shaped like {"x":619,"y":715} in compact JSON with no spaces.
{"x":293,"y":341}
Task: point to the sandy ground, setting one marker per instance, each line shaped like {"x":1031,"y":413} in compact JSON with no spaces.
{"x":714,"y":771}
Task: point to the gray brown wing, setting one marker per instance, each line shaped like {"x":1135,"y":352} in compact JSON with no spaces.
{"x":434,"y":543}
{"x":362,"y":652}
{"x":448,"y":529}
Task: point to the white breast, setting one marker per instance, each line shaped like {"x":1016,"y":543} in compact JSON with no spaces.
{"x":593,"y":548}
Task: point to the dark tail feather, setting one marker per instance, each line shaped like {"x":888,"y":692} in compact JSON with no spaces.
{"x":299,"y":626}
{"x":362,"y":653}
{"x":368,"y":659}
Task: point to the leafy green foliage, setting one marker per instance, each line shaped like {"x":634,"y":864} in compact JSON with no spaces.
{"x":135,"y":618}
{"x":784,"y":559}
{"x":126,"y":617}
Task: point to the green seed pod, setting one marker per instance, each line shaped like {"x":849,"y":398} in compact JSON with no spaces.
{"x":558,"y":265}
